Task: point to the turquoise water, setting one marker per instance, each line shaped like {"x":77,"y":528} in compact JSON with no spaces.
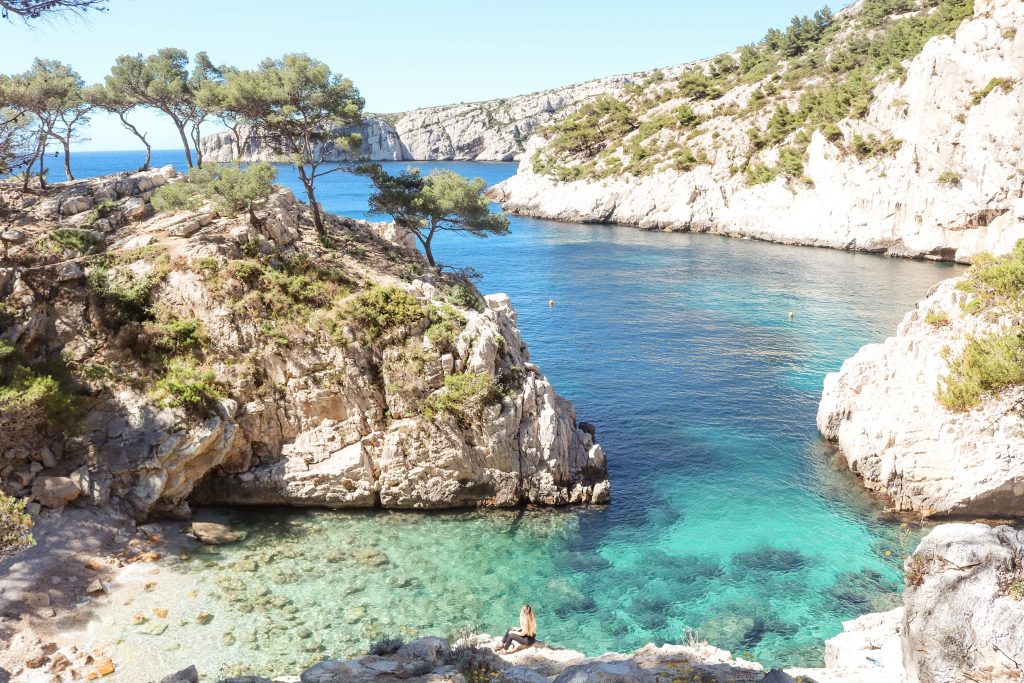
{"x":728,"y":516}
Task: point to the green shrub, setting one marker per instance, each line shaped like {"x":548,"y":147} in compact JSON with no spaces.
{"x":82,"y":241}
{"x":871,"y":146}
{"x":178,"y":196}
{"x":1004,"y":84}
{"x":987,"y":365}
{"x":231,"y":189}
{"x":758,"y":174}
{"x":463,"y":296}
{"x":445,"y":327}
{"x":1016,"y":589}
{"x":187,"y":384}
{"x":791,"y":162}
{"x":687,"y":117}
{"x":178,"y":335}
{"x":937,"y":318}
{"x":32,"y":391}
{"x":124,"y":294}
{"x":379,"y":312}
{"x":997,"y":283}
{"x":950,"y":178}
{"x":464,"y":396}
{"x":698,"y":85}
{"x":385,"y":645}
{"x":685,"y":159}
{"x":101,"y":210}
{"x":15,"y":525}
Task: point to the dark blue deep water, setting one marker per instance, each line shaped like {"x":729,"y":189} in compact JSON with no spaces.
{"x":727,"y":517}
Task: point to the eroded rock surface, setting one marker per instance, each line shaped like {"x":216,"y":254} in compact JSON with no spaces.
{"x":964,"y":618}
{"x":284,"y":392}
{"x":883,"y":412}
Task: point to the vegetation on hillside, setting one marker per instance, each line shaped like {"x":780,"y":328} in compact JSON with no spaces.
{"x":809,"y":77}
{"x":994,"y":362}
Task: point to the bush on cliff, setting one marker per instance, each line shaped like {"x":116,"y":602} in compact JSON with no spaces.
{"x":465,"y":395}
{"x":993,"y":363}
{"x":380,"y":312}
{"x":230,"y":189}
{"x":32,"y":396}
{"x":15,"y":525}
{"x":987,"y":364}
{"x":187,"y":384}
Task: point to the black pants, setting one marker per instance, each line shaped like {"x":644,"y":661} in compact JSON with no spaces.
{"x":511,"y":637}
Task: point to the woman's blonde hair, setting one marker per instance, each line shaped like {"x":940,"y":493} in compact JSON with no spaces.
{"x":527,"y":621}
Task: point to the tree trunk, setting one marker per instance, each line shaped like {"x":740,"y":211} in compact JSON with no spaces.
{"x":140,"y":136}
{"x":42,"y":159}
{"x":185,"y":141}
{"x":67,"y":159}
{"x":308,"y":184}
{"x":426,"y":244}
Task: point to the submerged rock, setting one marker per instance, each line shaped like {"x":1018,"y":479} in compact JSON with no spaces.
{"x":213,"y":533}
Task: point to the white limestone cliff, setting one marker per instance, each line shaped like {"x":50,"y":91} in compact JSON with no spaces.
{"x":494,"y":130}
{"x":888,"y":204}
{"x":310,"y":414}
{"x":882,"y":411}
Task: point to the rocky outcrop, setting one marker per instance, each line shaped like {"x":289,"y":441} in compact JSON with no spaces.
{"x":882,"y":411}
{"x":893,"y":204}
{"x":379,"y":142}
{"x":310,"y":373}
{"x":495,"y":130}
{"x":964,"y":618}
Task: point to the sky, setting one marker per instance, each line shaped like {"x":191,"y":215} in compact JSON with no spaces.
{"x":401,"y":54}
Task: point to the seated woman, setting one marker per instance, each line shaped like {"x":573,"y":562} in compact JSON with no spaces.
{"x":526,"y":634}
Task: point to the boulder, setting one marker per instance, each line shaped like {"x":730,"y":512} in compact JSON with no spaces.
{"x":134,"y":208}
{"x":187,"y":675}
{"x":964,"y":614}
{"x":605,"y":672}
{"x":212,"y":533}
{"x":53,"y":492}
{"x":73,"y":205}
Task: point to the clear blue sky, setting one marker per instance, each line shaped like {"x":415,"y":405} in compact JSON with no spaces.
{"x":404,"y":54}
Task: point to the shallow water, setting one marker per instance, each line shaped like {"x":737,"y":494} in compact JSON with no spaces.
{"x":727,"y":517}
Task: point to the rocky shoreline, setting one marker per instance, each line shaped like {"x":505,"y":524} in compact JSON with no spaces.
{"x":964,"y":586}
{"x":905,"y":204}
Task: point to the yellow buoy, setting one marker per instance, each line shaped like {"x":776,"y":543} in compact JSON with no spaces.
{"x":790,"y":315}
{"x":551,"y":302}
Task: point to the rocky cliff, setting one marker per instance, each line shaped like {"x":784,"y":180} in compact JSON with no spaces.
{"x":862,"y":136}
{"x":149,"y":359}
{"x":903,"y":426}
{"x":495,"y":130}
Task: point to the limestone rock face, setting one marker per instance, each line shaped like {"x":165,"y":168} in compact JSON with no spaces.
{"x":888,"y":204}
{"x":964,"y":620}
{"x":882,"y":411}
{"x":380,"y":142}
{"x":309,"y":409}
{"x":496,"y":130}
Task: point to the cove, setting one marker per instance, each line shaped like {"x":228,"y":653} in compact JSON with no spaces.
{"x":727,"y":519}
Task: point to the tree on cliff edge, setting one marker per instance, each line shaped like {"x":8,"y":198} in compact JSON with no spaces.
{"x":162,"y":81}
{"x":442,"y":201}
{"x":292,"y":105}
